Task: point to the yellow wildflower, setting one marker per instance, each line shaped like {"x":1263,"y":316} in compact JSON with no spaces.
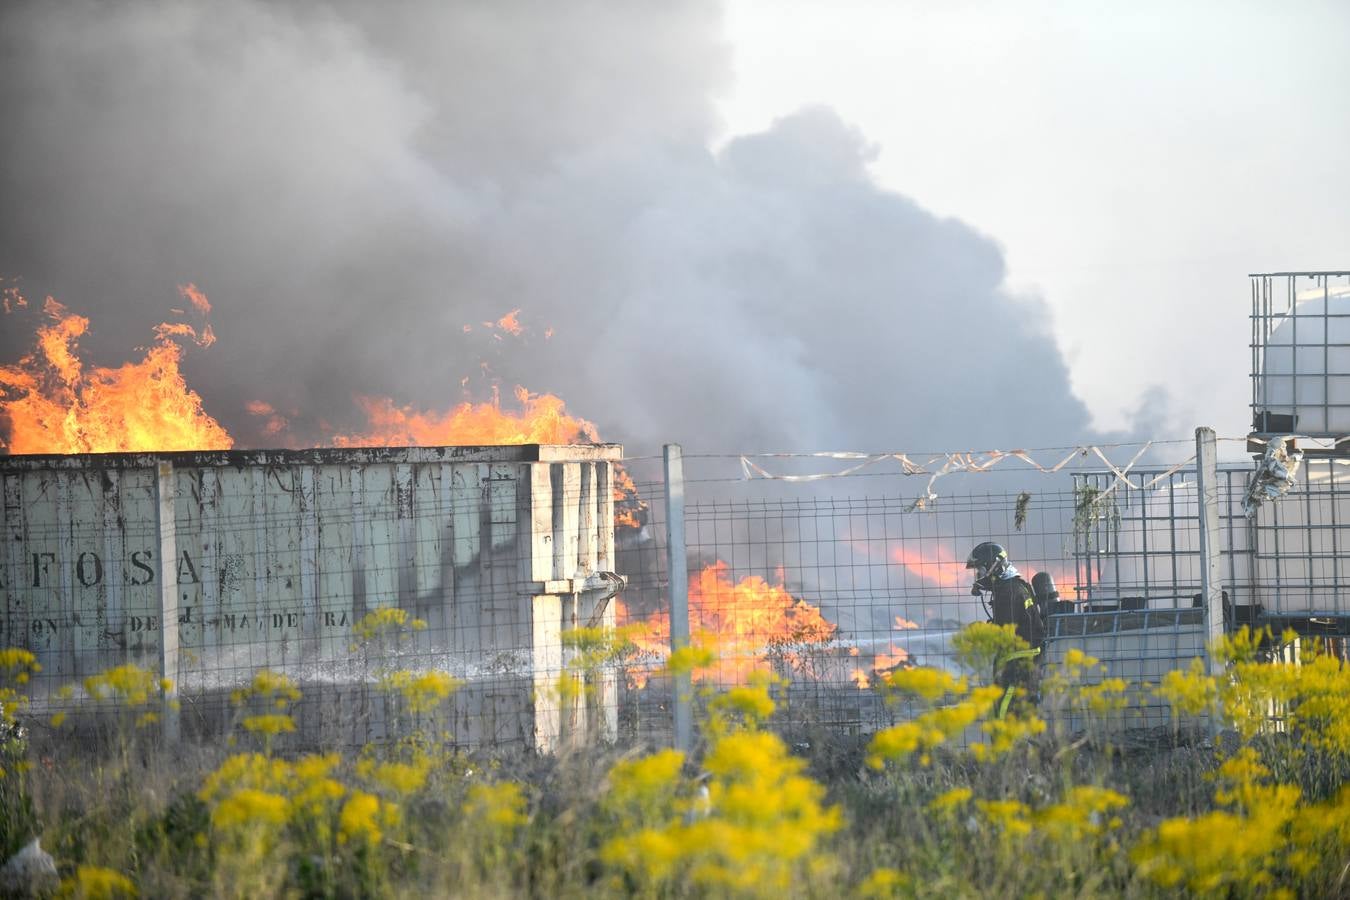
{"x":1006,"y":733}
{"x":744,"y":705}
{"x":421,"y":691}
{"x":983,"y":648}
{"x":1207,"y":854}
{"x":929,"y":683}
{"x":18,"y":660}
{"x":249,"y":806}
{"x":269,"y":724}
{"x":1012,"y":817}
{"x":386,"y":620}
{"x":932,"y":728}
{"x":397,"y":777}
{"x":269,"y":686}
{"x":1192,"y":691}
{"x":949,"y":801}
{"x":362,"y":818}
{"x":97,"y":883}
{"x":1085,"y":811}
{"x":593,"y":648}
{"x":882,"y":883}
{"x":644,"y":789}
{"x":500,"y":807}
{"x":689,"y":659}
{"x":313,"y":790}
{"x":129,"y":684}
{"x":756,"y":824}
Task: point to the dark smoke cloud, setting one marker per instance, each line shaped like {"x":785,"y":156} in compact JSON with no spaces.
{"x":351,"y":186}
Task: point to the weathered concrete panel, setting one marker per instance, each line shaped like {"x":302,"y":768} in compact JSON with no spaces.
{"x":277,"y":554}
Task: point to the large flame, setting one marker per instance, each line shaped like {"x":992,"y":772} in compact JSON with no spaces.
{"x":55,"y":403}
{"x":752,"y":615}
{"x":541,"y":419}
{"x":746,"y":623}
{"x":537,"y":419}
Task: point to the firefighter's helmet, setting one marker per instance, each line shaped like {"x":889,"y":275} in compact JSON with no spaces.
{"x":989,"y":561}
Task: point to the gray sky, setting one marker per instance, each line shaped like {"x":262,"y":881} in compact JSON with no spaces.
{"x":1134,"y":161}
{"x":789,"y":226}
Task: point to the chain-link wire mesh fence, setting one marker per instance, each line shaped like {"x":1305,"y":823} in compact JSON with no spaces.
{"x":364,"y":576}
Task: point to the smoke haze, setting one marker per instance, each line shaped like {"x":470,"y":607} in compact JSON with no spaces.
{"x":351,"y":189}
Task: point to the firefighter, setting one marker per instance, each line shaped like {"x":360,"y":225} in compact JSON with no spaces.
{"x":1013,"y":602}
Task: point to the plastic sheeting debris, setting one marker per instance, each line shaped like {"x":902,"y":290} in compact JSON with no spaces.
{"x":1275,"y":474}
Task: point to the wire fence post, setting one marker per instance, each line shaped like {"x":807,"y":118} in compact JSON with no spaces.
{"x":1211,"y":589}
{"x":677,"y":566}
{"x":167,"y":557}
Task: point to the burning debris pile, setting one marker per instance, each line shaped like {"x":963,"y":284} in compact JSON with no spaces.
{"x":754,"y":625}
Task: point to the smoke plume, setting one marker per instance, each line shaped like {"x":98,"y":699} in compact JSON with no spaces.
{"x":351,"y":187}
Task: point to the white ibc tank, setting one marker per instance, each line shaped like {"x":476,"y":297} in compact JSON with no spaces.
{"x":1305,"y":366}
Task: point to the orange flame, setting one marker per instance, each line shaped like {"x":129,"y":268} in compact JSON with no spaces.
{"x":628,"y":506}
{"x":884,"y":663}
{"x":510,"y":323}
{"x":191,"y":293}
{"x":942,"y":569}
{"x":745,"y":622}
{"x":55,"y":404}
{"x":889,"y":660}
{"x":11,"y":298}
{"x":541,"y":419}
{"x":276,"y":423}
{"x":751,"y":613}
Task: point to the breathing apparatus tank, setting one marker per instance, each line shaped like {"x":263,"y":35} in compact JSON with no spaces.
{"x":1047,"y":595}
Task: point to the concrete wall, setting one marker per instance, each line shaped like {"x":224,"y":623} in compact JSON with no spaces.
{"x":268,"y":558}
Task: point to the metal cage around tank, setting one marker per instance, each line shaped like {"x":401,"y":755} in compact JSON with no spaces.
{"x":1300,"y":353}
{"x":1285,"y":564}
{"x":1137,"y":541}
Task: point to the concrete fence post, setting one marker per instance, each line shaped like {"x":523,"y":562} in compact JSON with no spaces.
{"x":167,"y":558}
{"x":1211,"y":588}
{"x":678,"y":568}
{"x":1211,"y":553}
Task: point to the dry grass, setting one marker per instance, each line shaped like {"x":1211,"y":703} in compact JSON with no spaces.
{"x":916,"y":811}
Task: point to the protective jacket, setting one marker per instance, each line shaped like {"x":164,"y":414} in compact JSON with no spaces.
{"x":1014,"y":603}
